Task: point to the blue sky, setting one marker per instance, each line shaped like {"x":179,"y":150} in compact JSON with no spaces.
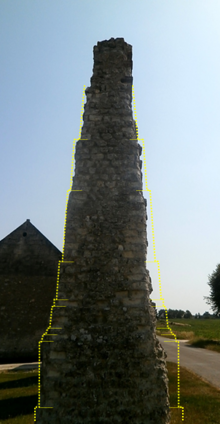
{"x":46,"y":57}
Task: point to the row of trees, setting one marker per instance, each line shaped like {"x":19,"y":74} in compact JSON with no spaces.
{"x":212,"y":300}
{"x":175,"y":313}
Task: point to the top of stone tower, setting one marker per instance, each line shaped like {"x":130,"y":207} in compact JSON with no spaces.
{"x":113,"y":42}
{"x":112,"y":61}
{"x":109,"y":96}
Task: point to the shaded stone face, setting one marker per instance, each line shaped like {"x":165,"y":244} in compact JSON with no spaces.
{"x":105,"y":365}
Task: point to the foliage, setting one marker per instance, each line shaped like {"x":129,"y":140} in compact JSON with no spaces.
{"x":214,"y":283}
{"x":174,"y":313}
{"x":187,"y":314}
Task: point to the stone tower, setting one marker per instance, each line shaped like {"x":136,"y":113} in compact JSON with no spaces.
{"x":101,"y":360}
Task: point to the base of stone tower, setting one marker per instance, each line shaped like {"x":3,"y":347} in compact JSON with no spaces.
{"x":103,"y":375}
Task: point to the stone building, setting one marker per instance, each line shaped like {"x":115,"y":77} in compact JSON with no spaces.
{"x":101,"y":360}
{"x":28,"y":275}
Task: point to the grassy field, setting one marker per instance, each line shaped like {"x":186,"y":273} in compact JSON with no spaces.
{"x":201,"y":402}
{"x":204,"y":333}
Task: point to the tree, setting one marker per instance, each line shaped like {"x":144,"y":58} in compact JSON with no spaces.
{"x":161,"y":313}
{"x":214,"y":283}
{"x":171,"y":313}
{"x":187,"y":314}
{"x":180,"y":314}
{"x":206,"y":315}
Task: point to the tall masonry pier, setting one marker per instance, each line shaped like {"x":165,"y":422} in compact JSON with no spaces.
{"x":101,"y":360}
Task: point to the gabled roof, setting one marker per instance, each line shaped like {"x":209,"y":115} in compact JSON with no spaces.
{"x":26,"y":228}
{"x":27,"y":251}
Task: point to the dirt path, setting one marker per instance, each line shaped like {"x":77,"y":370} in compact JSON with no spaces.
{"x":203,"y":362}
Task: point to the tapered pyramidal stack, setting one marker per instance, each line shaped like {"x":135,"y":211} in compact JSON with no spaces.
{"x":101,"y":360}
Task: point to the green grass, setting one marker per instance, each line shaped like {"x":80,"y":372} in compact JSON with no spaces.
{"x":203,"y":333}
{"x":201,"y":402}
{"x":18,"y":397}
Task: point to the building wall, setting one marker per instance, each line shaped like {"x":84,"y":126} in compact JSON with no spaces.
{"x":28,"y":278}
{"x":27,"y":251}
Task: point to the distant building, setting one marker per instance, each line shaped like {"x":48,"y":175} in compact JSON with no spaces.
{"x":28,"y":277}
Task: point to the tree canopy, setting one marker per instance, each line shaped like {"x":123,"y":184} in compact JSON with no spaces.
{"x":214,"y":283}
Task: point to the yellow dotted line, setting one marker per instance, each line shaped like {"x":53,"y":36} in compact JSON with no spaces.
{"x":64,"y":232}
{"x":35,"y":412}
{"x":134,"y":107}
{"x":71,"y":173}
{"x":58,"y":275}
{"x":82,"y":108}
{"x":46,"y":333}
{"x":178,"y":374}
{"x":157,"y":262}
{"x":179,"y":407}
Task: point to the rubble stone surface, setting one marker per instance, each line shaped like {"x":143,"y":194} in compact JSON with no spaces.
{"x":101,"y":360}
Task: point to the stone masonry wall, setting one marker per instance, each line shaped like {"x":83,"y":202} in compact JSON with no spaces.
{"x":101,"y":360}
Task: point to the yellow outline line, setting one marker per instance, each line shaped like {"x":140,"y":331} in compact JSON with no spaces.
{"x":58,"y":274}
{"x":157,"y":262}
{"x":72,"y":164}
{"x":58,"y":271}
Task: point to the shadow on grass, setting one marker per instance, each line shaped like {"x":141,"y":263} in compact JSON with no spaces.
{"x":204,"y":343}
{"x":22,"y":382}
{"x":13,"y":407}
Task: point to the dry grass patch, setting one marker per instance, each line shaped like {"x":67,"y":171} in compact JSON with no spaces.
{"x":200,"y":400}
{"x":200,"y":333}
{"x":205,"y":343}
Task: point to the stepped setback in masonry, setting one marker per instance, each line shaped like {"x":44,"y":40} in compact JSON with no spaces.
{"x":101,"y":360}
